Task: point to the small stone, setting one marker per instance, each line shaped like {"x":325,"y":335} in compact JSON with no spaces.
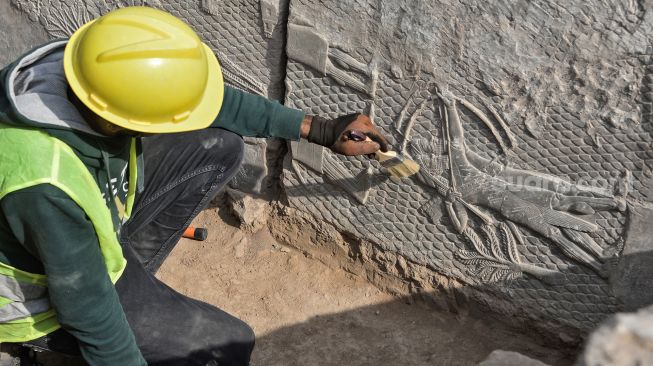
{"x":252,"y":212}
{"x":624,"y":339}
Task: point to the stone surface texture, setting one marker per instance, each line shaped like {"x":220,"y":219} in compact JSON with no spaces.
{"x":531,"y":121}
{"x":18,"y":33}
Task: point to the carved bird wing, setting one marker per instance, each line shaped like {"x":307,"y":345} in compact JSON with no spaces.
{"x":536,"y":214}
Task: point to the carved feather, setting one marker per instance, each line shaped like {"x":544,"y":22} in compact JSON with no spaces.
{"x":495,"y":246}
{"x":516,"y":233}
{"x":585,"y":241}
{"x":552,"y":217}
{"x":466,"y":254}
{"x":66,"y":19}
{"x":566,"y":220}
{"x":509,"y":242}
{"x":491,"y":273}
{"x":479,"y":261}
{"x":486,"y":274}
{"x":476,"y":241}
{"x":500,"y":274}
{"x":513,"y":276}
{"x":239,"y":78}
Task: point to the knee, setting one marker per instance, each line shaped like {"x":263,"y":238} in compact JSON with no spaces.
{"x":226,"y":147}
{"x":243,"y":335}
{"x":238,"y":349}
{"x":235,"y":146}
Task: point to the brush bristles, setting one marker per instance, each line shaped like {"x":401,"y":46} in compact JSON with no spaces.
{"x":404,"y":169}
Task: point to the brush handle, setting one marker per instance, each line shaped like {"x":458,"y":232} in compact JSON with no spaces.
{"x":383,"y":156}
{"x":380,"y":155}
{"x":398,"y":167}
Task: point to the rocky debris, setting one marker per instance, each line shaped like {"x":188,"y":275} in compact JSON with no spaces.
{"x":508,"y":358}
{"x":625,"y":339}
{"x":252,"y":213}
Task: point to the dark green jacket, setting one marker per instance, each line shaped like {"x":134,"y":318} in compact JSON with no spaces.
{"x":43,"y":231}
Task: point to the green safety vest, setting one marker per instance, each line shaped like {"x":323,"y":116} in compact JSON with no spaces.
{"x":30,"y":157}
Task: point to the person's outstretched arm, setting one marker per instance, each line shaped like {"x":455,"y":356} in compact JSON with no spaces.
{"x":252,"y":115}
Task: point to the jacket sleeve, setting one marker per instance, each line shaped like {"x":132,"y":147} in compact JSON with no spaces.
{"x":252,"y":115}
{"x":57,"y":231}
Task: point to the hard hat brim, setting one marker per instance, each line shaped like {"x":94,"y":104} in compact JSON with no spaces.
{"x":202,"y":116}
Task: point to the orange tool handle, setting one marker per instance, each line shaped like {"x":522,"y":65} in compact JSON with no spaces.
{"x":196,"y":233}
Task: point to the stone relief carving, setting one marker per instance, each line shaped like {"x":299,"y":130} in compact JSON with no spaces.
{"x":540,"y":202}
{"x":497,"y":259}
{"x":269,"y":16}
{"x":211,"y":6}
{"x":531,"y":164}
{"x":358,"y":186}
{"x":309,"y":47}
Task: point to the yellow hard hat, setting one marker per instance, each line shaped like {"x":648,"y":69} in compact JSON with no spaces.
{"x":145,"y":70}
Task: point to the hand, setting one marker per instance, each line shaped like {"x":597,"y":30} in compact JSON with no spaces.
{"x":346,"y":135}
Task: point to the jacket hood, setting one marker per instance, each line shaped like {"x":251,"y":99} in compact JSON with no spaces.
{"x":34,"y":94}
{"x":36,"y":91}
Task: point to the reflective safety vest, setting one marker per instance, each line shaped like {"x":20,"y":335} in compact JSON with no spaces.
{"x":28,"y":158}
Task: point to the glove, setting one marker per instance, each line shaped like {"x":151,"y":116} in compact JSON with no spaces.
{"x":347,"y":135}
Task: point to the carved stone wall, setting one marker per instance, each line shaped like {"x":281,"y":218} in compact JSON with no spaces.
{"x":531,"y":121}
{"x":18,"y":33}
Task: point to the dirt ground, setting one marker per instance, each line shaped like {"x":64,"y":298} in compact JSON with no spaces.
{"x":305,"y":313}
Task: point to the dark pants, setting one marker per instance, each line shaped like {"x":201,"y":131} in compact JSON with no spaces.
{"x":183,"y":172}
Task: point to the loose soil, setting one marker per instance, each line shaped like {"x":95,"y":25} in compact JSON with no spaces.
{"x":307,"y":313}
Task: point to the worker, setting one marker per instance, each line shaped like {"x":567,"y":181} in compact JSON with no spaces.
{"x":111,"y":143}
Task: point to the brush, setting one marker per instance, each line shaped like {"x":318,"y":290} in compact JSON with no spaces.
{"x":398,"y":165}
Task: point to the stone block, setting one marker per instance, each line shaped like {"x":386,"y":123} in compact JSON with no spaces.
{"x":508,"y":358}
{"x":253,"y":174}
{"x":632,"y":280}
{"x":624,"y":340}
